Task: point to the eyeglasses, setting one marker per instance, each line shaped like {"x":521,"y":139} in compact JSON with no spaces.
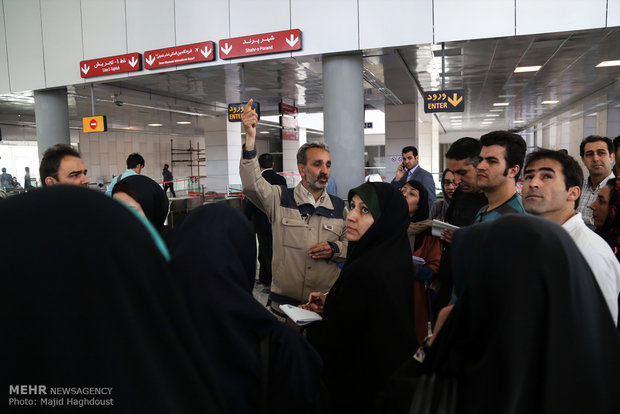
{"x":448,"y":182}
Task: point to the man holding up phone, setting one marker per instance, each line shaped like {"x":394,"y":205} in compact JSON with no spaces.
{"x":410,"y":170}
{"x":308,"y":224}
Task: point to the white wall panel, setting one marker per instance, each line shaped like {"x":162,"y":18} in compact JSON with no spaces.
{"x":536,"y":16}
{"x":473,"y":19}
{"x":4,"y":64}
{"x":24,"y":44}
{"x":613,"y":13}
{"x":103,"y":27}
{"x":395,"y":22}
{"x":198,"y":21}
{"x":251,"y":17}
{"x":327,"y":26}
{"x":150,"y":24}
{"x":62,"y":41}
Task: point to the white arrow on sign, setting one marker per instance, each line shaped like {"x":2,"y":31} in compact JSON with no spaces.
{"x":226,"y":48}
{"x":207,"y":52}
{"x":150,"y":59}
{"x":85,"y":69}
{"x":292,"y":41}
{"x":133,"y":62}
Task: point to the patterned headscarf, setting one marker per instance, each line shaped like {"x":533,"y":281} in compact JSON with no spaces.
{"x":610,"y":230}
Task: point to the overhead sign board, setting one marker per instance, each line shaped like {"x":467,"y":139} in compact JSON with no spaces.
{"x":179,"y":55}
{"x":110,"y":65}
{"x":444,"y":101}
{"x":260,"y":44}
{"x":289,"y":134}
{"x":235,"y":110}
{"x":94,"y":124}
{"x":287,"y":109}
{"x":288,"y":122}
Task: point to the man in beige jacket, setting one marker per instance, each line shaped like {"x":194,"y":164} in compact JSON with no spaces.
{"x":308,"y":224}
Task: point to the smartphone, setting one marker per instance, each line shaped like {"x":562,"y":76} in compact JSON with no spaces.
{"x":404,"y":168}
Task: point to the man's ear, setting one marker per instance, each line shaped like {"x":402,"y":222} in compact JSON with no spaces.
{"x":49,"y":181}
{"x":514,"y":171}
{"x":300,"y":168}
{"x":573,"y":193}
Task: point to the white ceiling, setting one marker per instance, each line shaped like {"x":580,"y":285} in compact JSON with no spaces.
{"x":482,"y":68}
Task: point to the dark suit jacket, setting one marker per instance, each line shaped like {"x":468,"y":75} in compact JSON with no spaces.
{"x":425,"y":178}
{"x":253,"y":213}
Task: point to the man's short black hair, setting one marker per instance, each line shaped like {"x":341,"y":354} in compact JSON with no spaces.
{"x":595,"y":138}
{"x":265,"y":160}
{"x":572,"y":172}
{"x":133,"y":160}
{"x":51,"y":161}
{"x":616,"y":143}
{"x":513,"y":143}
{"x":410,"y":148}
{"x":465,"y":148}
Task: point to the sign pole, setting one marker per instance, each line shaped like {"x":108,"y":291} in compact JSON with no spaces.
{"x":443,"y":66}
{"x":92,"y":100}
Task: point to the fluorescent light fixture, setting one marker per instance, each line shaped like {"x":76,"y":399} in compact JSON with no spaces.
{"x":518,"y":122}
{"x":549,"y":102}
{"x":264,"y":132}
{"x":496,"y":110}
{"x":608,"y":63}
{"x":155,"y":125}
{"x":486,"y":123}
{"x":184,"y":122}
{"x":501,"y":104}
{"x":456,"y":116}
{"x":492,"y":115}
{"x":507,"y":96}
{"x":522,"y":69}
{"x":592,"y":114}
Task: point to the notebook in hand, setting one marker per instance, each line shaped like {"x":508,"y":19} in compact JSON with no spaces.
{"x":439,"y":226}
{"x":300,"y":316}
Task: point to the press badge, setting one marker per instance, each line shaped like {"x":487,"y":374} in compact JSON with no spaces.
{"x":328,"y":227}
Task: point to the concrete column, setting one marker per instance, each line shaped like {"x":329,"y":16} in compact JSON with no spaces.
{"x":401,"y":130}
{"x":51,"y":111}
{"x":343,"y":114}
{"x":222,"y":153}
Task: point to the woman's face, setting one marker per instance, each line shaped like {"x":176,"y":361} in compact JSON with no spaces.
{"x":449,"y":186}
{"x":600,"y":207}
{"x":412,"y":196}
{"x":359,"y":219}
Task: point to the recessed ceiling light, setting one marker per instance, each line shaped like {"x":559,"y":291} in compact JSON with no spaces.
{"x":184,"y":122}
{"x":521,"y":69}
{"x":506,"y":96}
{"x":501,"y":104}
{"x":456,"y":116}
{"x":264,"y":132}
{"x":549,"y":102}
{"x":486,"y":123}
{"x":496,"y":110}
{"x":592,"y":114}
{"x":492,"y":114}
{"x":519,"y":122}
{"x":243,"y":133}
{"x":607,"y":63}
{"x":155,"y":125}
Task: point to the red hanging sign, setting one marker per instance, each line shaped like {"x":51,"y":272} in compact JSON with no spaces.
{"x":260,"y":44}
{"x":179,"y":55}
{"x":112,"y":65}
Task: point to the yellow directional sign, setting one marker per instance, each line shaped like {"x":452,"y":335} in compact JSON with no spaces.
{"x":235,"y":110}
{"x":94,"y":124}
{"x":444,"y":101}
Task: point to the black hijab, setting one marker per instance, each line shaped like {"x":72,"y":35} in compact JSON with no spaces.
{"x":214,"y":261}
{"x":531,"y":332}
{"x":367,"y":327}
{"x":90,"y":303}
{"x":149,"y":195}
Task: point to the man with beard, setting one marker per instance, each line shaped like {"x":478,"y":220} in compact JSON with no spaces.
{"x":597,"y":154}
{"x":501,"y":158}
{"x":308,"y":225}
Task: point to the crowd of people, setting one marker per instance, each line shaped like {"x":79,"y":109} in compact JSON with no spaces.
{"x":515,"y":311}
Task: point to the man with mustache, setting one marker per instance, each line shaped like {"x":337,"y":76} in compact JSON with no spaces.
{"x":551,"y":188}
{"x":308,"y":225}
{"x":501,"y":158}
{"x":597,"y":154}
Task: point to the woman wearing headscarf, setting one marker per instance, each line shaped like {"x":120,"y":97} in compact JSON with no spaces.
{"x":530,"y":332}
{"x":97,"y":309}
{"x":423,"y":246}
{"x":145,"y":196}
{"x":213,"y":261}
{"x":606,"y":214}
{"x":448,"y":187}
{"x":367,"y":327}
